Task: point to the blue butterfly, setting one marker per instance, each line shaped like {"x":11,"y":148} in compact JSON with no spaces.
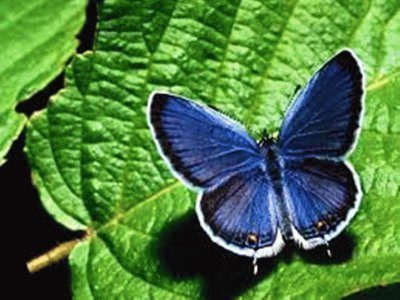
{"x":255,"y":196}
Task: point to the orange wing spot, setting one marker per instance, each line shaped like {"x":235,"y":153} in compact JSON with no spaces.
{"x":321,"y":225}
{"x":252,"y":238}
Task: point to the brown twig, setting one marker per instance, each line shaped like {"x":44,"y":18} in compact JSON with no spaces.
{"x":52,"y":256}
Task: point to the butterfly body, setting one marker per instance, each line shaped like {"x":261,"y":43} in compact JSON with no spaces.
{"x":273,"y":168}
{"x":255,"y":196}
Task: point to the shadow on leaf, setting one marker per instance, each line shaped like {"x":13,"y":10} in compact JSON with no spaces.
{"x":186,"y":251}
{"x":341,"y":249}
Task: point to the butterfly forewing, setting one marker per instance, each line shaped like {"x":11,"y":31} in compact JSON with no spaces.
{"x":324,"y":119}
{"x":202,"y":146}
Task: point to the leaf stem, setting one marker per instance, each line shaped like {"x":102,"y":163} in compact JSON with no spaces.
{"x":52,"y":256}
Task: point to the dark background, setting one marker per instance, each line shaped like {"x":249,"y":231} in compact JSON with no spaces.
{"x":30,"y":231}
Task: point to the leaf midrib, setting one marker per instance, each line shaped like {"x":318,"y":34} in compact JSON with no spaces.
{"x":152,"y":197}
{"x":250,"y":111}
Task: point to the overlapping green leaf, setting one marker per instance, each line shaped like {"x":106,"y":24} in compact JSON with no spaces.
{"x":97,"y":169}
{"x":36,"y":38}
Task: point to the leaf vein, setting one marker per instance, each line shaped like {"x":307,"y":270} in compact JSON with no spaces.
{"x":129,"y":209}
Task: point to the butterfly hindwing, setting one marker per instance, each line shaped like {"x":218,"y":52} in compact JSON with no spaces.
{"x":202,"y":146}
{"x":240,"y":215}
{"x":322,"y":196}
{"x":324,"y":119}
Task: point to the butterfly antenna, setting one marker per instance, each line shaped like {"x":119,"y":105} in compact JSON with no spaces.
{"x":255,"y":265}
{"x":296,"y":90}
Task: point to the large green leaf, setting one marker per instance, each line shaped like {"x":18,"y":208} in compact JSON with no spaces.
{"x":97,"y":168}
{"x":36,"y":38}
